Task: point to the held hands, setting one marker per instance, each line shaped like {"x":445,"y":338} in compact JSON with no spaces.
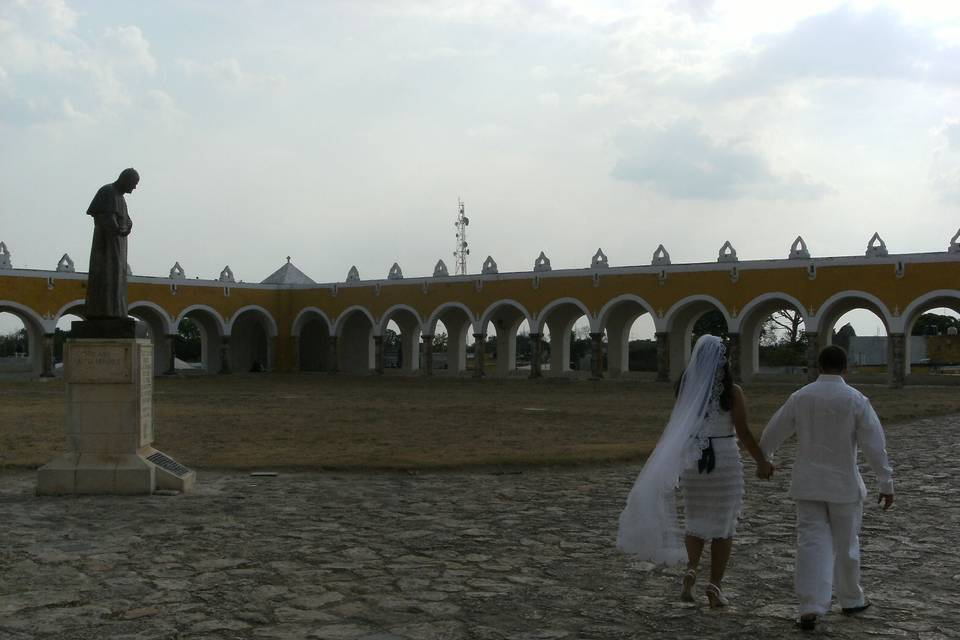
{"x":886,"y":499}
{"x":765,"y":470}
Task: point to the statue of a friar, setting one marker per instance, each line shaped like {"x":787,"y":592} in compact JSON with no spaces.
{"x":107,"y":278}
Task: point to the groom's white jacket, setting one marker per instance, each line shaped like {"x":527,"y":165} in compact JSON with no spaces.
{"x":830,"y":419}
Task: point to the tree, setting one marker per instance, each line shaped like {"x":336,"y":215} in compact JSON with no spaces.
{"x":189,"y":341}
{"x":713,"y":323}
{"x":14,"y":343}
{"x":783,"y":326}
{"x":934,"y":324}
{"x":440,"y":342}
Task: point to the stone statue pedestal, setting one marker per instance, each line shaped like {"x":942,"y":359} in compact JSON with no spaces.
{"x":109,"y":384}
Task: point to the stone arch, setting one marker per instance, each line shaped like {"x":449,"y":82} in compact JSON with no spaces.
{"x":212,"y":328}
{"x":616,"y":317}
{"x":311,"y":331}
{"x":749,"y":325}
{"x":559,"y":316}
{"x":459,"y":320}
{"x":409,"y":321}
{"x":940,"y":298}
{"x":271,"y":324}
{"x":159,"y":323}
{"x":75,"y":307}
{"x":839,"y":304}
{"x":507,"y":315}
{"x":36,"y":327}
{"x":679,"y":322}
{"x":252,"y":331}
{"x":355,"y":346}
{"x":306,"y":315}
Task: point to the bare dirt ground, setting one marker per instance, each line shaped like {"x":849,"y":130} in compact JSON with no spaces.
{"x":291,"y":421}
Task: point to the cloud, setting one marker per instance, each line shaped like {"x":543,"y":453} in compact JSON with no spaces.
{"x":946,"y":163}
{"x":952,"y":133}
{"x":227,"y":72}
{"x":842,"y":44}
{"x":681,"y":161}
{"x":126,"y":48}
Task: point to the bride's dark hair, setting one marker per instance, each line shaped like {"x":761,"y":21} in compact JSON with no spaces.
{"x":726,"y":393}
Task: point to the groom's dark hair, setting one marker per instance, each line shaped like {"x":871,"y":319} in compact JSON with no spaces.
{"x":832,"y":360}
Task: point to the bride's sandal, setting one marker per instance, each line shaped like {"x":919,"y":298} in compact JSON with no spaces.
{"x":689,"y":580}
{"x":715,"y":596}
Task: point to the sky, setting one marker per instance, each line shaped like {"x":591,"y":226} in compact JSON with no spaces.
{"x":343,"y":133}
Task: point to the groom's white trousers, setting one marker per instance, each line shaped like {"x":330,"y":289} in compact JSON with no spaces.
{"x":828,"y":555}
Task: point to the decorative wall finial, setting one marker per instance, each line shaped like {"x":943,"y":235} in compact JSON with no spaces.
{"x":353,"y":275}
{"x":5,"y":257}
{"x":954,"y":243}
{"x":542,"y":263}
{"x":798,"y":249}
{"x":129,"y":270}
{"x":66,"y":264}
{"x":877,"y":248}
{"x":176,"y":273}
{"x":395,"y":272}
{"x":660,"y":257}
{"x":226,"y":275}
{"x":727,"y":253}
{"x":489,"y":266}
{"x":440,"y":270}
{"x":599,"y":260}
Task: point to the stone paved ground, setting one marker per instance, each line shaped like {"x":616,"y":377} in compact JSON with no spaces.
{"x":448,"y":555}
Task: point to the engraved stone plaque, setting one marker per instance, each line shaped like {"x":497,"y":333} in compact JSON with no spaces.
{"x":99,"y":363}
{"x":146,"y":395}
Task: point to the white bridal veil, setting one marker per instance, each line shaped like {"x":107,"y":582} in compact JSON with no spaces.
{"x":649,"y":525}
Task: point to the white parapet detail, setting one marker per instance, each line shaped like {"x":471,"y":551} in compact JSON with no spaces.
{"x":955,"y":243}
{"x":440,"y":270}
{"x":129,"y":270}
{"x":5,"y":257}
{"x":727,"y":253}
{"x":66,"y":264}
{"x":542,"y":263}
{"x":876,"y":248}
{"x":353,"y":275}
{"x":226,"y":275}
{"x":599,"y":260}
{"x":798,"y":250}
{"x":395,"y":272}
{"x":489,"y":266}
{"x":660,"y":257}
{"x":177,"y":273}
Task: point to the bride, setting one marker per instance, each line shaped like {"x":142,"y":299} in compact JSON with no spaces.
{"x":698,"y":450}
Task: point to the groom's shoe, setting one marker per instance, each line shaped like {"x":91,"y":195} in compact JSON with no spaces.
{"x":807,"y":622}
{"x":852,"y":611}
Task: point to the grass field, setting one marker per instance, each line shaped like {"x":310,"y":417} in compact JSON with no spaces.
{"x":288,"y":421}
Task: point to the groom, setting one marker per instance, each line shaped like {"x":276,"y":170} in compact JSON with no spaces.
{"x":830,"y":420}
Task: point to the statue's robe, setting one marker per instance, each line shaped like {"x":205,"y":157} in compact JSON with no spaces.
{"x":107,"y":277}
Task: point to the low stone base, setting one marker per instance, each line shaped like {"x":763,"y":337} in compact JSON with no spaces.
{"x":106,"y":474}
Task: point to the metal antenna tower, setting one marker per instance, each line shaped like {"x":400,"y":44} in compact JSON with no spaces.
{"x":461,"y":252}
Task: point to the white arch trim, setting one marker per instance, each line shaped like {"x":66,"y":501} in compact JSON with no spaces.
{"x":65,"y":308}
{"x":658,"y":323}
{"x":535,"y":325}
{"x":272,"y":324}
{"x":301,"y":320}
{"x":481,"y":327}
{"x":346,"y":313}
{"x":221,"y":324}
{"x":768,"y":297}
{"x":164,"y":316}
{"x":907,"y":315}
{"x":685,"y":302}
{"x":894,"y":325}
{"x":33,"y":316}
{"x":432,"y":319}
{"x":386,"y":317}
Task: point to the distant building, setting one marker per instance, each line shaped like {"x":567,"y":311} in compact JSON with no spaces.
{"x":872,"y":350}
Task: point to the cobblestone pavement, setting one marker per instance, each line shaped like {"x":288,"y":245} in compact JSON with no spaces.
{"x":480,"y":555}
